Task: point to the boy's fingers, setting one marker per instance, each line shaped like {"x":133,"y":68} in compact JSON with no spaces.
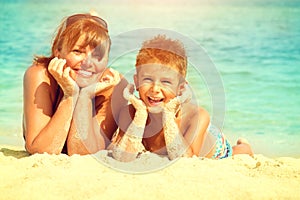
{"x":186,"y":95}
{"x":128,"y":91}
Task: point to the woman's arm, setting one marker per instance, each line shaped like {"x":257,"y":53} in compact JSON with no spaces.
{"x":46,"y":129}
{"x":86,"y":136}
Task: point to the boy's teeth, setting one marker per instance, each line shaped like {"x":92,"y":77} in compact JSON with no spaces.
{"x":154,"y":99}
{"x":85,"y":73}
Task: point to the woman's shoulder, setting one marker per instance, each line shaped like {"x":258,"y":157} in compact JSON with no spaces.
{"x":37,"y":75}
{"x":36,"y":71}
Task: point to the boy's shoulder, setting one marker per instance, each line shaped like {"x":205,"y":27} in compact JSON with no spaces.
{"x":128,"y":110}
{"x":191,"y":110}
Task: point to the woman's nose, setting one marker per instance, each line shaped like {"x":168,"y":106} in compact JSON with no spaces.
{"x":86,"y":60}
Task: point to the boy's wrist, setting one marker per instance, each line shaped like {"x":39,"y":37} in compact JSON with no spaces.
{"x":167,"y":115}
{"x":135,"y":131}
{"x":140,"y":118}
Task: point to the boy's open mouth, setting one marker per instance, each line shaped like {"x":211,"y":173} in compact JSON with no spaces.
{"x":155,"y":100}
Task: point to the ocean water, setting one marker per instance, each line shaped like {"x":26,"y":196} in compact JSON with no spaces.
{"x":254,"y":46}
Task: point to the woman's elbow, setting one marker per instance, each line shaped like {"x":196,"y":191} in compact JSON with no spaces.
{"x":32,"y":149}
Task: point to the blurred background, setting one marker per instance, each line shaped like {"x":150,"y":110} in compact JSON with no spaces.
{"x":255,"y":47}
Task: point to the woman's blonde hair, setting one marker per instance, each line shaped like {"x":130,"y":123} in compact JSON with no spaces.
{"x":74,"y":27}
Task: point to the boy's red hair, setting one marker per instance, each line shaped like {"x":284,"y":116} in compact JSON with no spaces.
{"x":161,"y":50}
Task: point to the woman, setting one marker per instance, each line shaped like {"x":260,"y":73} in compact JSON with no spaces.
{"x":68,"y":95}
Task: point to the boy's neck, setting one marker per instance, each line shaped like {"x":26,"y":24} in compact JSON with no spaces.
{"x":154,"y":117}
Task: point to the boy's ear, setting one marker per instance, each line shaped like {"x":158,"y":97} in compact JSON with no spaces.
{"x":181,"y":87}
{"x":135,"y":79}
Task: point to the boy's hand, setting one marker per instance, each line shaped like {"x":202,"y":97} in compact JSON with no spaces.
{"x":141,"y":113}
{"x":61,"y":74}
{"x":138,"y":104}
{"x":186,"y":95}
{"x":173,"y":105}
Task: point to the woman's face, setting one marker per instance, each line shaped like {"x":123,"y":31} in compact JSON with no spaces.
{"x":87,"y":64}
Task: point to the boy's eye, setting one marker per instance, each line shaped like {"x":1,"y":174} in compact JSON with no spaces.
{"x":147,"y":79}
{"x":167,"y":82}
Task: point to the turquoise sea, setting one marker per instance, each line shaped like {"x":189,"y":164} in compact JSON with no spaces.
{"x":254,"y":46}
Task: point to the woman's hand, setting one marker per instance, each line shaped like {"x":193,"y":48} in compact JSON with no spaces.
{"x":62,"y":75}
{"x":105,"y":83}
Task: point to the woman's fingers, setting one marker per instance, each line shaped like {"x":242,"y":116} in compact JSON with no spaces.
{"x":61,"y":74}
{"x":56,"y":67}
{"x":66,"y":72}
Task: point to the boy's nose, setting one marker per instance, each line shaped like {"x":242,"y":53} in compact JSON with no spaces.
{"x":156,"y":87}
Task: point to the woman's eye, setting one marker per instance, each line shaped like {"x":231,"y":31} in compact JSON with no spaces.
{"x":77,"y":51}
{"x":97,"y":56}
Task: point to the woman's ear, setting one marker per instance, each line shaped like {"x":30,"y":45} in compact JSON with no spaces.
{"x":56,"y":53}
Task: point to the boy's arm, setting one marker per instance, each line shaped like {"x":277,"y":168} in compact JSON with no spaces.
{"x":191,"y":141}
{"x":175,"y":142}
{"x":130,"y":144}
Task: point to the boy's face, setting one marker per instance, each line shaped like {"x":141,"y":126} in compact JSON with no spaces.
{"x":157,"y":84}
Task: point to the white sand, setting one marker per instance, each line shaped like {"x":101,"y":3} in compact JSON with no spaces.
{"x":44,"y":176}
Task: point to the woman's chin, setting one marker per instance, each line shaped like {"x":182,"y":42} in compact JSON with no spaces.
{"x":82,"y":83}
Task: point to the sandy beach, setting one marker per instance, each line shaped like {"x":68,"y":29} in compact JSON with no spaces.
{"x":44,"y":176}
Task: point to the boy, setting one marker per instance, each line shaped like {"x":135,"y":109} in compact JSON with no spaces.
{"x":163,"y":121}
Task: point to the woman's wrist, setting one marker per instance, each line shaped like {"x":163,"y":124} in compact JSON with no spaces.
{"x":72,"y":96}
{"x":85,"y":93}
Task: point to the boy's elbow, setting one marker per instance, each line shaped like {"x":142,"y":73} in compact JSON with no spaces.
{"x":123,"y":156}
{"x":189,"y":153}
